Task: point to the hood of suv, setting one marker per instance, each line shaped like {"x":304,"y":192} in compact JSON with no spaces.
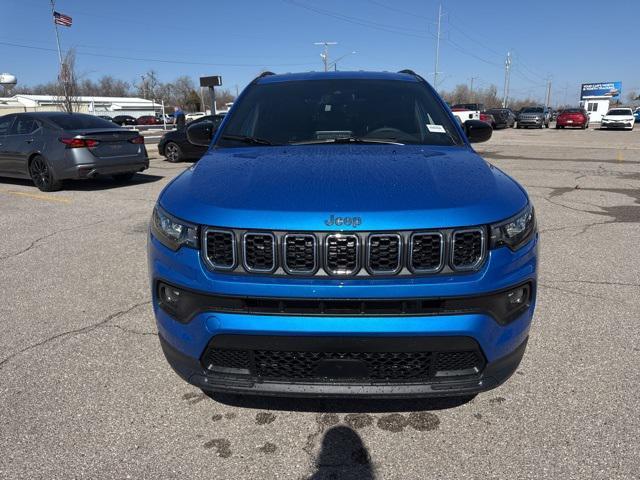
{"x":300,"y":187}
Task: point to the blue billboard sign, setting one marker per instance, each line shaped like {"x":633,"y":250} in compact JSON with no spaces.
{"x":604,"y":89}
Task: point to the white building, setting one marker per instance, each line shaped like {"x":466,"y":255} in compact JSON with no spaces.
{"x":110,"y":106}
{"x":596,"y":98}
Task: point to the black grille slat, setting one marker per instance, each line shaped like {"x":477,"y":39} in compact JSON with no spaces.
{"x":426,"y":252}
{"x":342,"y":253}
{"x":300,"y":253}
{"x":384,"y":255}
{"x":220,"y":249}
{"x":467,"y":249}
{"x":259,"y":252}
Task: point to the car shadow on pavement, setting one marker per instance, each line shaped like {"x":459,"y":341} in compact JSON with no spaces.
{"x":98,"y":183}
{"x":340,"y":405}
{"x":342,"y":455}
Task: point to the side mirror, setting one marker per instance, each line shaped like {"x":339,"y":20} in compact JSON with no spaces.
{"x":200,"y":133}
{"x":477,"y":131}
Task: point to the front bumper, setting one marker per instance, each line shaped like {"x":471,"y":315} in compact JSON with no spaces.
{"x":492,"y":376}
{"x":501,"y":346}
{"x":526,"y":122}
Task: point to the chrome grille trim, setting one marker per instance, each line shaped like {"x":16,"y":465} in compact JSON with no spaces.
{"x":483,"y":249}
{"x":205,"y":249}
{"x":339,"y":236}
{"x":274,"y":249}
{"x":371,"y":270}
{"x":286,"y":267}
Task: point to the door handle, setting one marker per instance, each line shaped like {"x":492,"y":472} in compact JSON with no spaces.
{"x":29,"y":141}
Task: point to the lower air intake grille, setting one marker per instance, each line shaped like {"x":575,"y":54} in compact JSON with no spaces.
{"x":220,"y":249}
{"x":259,"y":252}
{"x":467,"y":249}
{"x":375,"y":366}
{"x":342,"y":253}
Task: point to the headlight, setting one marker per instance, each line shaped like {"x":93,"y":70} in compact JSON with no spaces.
{"x":171,"y":232}
{"x":516,"y":231}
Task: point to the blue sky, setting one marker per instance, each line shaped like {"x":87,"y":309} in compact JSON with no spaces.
{"x":238,"y":39}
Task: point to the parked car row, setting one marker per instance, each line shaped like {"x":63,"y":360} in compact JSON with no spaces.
{"x":128,"y":120}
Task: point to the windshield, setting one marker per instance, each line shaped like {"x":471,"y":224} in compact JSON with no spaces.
{"x":533,"y":110}
{"x":75,"y":121}
{"x":573,"y":110}
{"x":329,"y":111}
{"x":619,"y":111}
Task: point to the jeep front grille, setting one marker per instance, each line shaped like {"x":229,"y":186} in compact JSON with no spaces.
{"x":384,"y":253}
{"x":259,"y":252}
{"x":342,"y":254}
{"x":467,"y":249}
{"x":300,"y":253}
{"x":354,"y":254}
{"x":220,"y":249}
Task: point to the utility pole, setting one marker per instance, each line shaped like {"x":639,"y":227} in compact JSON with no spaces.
{"x":325,"y":53}
{"x":507,"y":78}
{"x":435,"y":72}
{"x":471,"y":87}
{"x":547,"y":100}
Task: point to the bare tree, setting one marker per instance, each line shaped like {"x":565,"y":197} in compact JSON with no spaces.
{"x":67,"y":90}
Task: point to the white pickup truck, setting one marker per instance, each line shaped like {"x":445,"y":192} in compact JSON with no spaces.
{"x":467,"y":111}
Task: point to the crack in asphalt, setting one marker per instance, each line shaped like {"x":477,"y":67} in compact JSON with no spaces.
{"x":128,"y":330}
{"x":594,"y":282}
{"x":48,"y":235}
{"x":74,"y":332}
{"x":586,"y":295}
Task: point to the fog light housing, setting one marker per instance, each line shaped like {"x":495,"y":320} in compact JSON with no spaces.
{"x":517,"y":297}
{"x":170,"y":295}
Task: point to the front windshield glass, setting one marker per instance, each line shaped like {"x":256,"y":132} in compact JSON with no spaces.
{"x":620,"y":111}
{"x":339,"y":110}
{"x":532,"y":110}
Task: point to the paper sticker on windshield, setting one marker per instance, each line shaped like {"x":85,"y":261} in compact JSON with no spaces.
{"x":436,"y":128}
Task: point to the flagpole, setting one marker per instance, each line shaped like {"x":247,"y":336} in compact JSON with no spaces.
{"x":62,"y":72}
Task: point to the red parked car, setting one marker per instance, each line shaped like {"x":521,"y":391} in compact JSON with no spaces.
{"x":147,"y":120}
{"x":573,"y":117}
{"x":488,"y":118}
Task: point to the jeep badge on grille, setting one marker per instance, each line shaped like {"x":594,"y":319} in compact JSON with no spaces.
{"x":343,"y":221}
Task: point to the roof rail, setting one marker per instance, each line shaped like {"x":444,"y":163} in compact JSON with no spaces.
{"x":262,"y":75}
{"x":411,"y":72}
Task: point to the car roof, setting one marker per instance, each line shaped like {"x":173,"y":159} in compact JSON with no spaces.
{"x":359,"y":75}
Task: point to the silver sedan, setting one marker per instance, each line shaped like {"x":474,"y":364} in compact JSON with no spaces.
{"x":49,"y":147}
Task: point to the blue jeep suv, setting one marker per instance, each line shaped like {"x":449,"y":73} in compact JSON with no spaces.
{"x":342,"y":238}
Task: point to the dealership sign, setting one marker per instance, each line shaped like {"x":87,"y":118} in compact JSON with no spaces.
{"x":606,"y":89}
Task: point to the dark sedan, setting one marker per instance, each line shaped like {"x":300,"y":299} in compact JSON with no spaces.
{"x":49,"y":147}
{"x":124,"y":120}
{"x":175,"y":147}
{"x":504,"y":117}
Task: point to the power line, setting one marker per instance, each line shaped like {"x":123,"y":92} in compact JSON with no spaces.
{"x":159,"y":60}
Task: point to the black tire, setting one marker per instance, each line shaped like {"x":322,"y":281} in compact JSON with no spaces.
{"x":518,"y":126}
{"x":123,"y":177}
{"x":173,"y":152}
{"x":557,"y":127}
{"x":42,"y":176}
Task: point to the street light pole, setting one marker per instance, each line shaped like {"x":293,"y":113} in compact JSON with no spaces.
{"x":325,"y":53}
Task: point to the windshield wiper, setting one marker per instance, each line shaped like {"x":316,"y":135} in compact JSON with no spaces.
{"x":247,"y":139}
{"x":348,"y":140}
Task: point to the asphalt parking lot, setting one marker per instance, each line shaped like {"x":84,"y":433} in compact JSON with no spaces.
{"x":85,"y":391}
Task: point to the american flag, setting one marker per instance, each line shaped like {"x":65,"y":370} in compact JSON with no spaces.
{"x":61,"y":19}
